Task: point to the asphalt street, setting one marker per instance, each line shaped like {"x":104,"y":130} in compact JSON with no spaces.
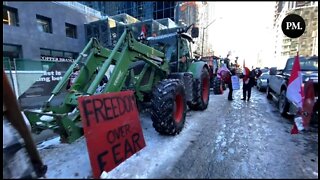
{"x":241,"y":139}
{"x":231,"y":139}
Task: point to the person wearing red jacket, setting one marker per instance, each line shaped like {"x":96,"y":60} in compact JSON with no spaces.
{"x":246,"y":85}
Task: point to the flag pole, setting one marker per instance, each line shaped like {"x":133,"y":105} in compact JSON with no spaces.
{"x":295,"y":129}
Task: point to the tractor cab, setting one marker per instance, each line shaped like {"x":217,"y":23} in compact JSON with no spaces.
{"x":177,"y":49}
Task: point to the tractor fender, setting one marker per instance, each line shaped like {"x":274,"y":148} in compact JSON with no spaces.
{"x":196,"y":68}
{"x":187,"y":79}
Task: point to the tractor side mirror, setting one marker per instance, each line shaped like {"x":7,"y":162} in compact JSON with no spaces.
{"x":273,"y":71}
{"x":195,"y":32}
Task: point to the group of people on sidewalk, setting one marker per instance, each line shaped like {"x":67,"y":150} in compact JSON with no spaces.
{"x":248,"y":77}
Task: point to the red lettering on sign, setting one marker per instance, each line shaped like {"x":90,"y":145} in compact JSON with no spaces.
{"x":112,"y":129}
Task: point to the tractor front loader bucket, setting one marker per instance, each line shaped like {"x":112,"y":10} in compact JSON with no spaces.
{"x":67,"y":125}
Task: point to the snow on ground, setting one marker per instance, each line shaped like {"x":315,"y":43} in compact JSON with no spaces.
{"x":49,"y":143}
{"x":160,"y":153}
{"x":67,"y":160}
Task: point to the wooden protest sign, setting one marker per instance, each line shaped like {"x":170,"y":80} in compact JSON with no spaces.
{"x":112,"y":129}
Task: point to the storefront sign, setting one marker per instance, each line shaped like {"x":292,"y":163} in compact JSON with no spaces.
{"x":112,"y":129}
{"x":58,"y":59}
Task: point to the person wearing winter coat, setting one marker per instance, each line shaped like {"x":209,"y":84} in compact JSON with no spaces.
{"x":246,"y":84}
{"x":229,"y":83}
{"x":225,"y":75}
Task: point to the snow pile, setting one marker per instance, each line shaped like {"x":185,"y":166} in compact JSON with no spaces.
{"x":49,"y":143}
{"x":160,"y":153}
{"x":66,"y":160}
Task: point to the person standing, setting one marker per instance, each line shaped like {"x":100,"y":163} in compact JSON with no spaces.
{"x":227,"y":61}
{"x":253,"y":78}
{"x":229,"y":83}
{"x":225,"y":75}
{"x":246,"y":85}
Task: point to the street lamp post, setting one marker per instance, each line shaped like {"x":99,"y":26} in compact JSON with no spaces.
{"x":203,"y":33}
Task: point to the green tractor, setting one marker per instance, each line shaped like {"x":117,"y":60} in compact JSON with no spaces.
{"x":160,"y":70}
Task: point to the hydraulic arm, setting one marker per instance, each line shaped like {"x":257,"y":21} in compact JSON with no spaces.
{"x":94,"y":61}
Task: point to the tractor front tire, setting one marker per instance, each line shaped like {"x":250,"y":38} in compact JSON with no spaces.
{"x":216,"y":86}
{"x":168,"y":107}
{"x":201,"y":91}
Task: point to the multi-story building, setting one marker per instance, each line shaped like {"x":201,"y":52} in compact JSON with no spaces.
{"x":142,"y":10}
{"x":102,"y":6}
{"x":192,"y":12}
{"x":278,"y":9}
{"x":43,"y":30}
{"x":182,"y":12}
{"x":38,"y":36}
{"x":307,"y":44}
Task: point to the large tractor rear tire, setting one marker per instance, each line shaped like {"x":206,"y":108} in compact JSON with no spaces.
{"x":201,"y":91}
{"x":168,"y":107}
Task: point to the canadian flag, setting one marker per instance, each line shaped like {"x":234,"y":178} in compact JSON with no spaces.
{"x":143,"y":33}
{"x":294,"y":90}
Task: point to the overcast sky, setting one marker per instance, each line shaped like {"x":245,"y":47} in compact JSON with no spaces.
{"x":245,"y":29}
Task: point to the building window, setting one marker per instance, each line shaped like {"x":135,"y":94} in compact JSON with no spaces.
{"x":166,"y":13}
{"x":11,"y":52}
{"x":45,"y":52}
{"x":57,"y":53}
{"x":10,"y":16}
{"x":71,"y":30}
{"x":44,"y":24}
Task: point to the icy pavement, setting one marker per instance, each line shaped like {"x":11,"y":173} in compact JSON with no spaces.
{"x":228,"y":140}
{"x":248,"y":140}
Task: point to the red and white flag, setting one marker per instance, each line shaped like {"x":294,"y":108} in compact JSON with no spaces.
{"x":294,"y":90}
{"x":143,"y":33}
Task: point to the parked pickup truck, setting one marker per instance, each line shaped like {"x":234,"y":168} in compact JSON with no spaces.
{"x":278,"y":82}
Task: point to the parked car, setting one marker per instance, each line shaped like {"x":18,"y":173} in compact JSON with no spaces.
{"x":265,"y":70}
{"x":262,"y":81}
{"x":278,"y":83}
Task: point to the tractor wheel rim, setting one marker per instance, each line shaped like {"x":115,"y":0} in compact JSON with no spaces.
{"x":205,"y":89}
{"x":178,"y":109}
